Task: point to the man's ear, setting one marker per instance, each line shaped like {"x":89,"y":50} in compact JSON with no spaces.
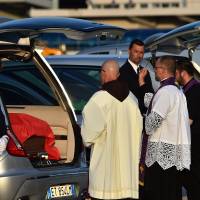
{"x":182,"y":73}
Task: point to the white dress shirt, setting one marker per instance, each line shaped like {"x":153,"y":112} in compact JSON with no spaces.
{"x":135,"y":67}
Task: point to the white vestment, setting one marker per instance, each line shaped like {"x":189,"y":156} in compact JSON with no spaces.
{"x":113,"y":129}
{"x":169,"y":144}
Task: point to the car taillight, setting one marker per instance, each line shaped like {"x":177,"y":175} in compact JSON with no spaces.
{"x":15,"y":150}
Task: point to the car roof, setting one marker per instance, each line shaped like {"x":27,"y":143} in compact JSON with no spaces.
{"x":72,"y":28}
{"x":83,"y":60}
{"x":71,"y":61}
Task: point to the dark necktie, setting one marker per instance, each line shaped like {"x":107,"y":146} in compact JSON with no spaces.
{"x":138,"y":70}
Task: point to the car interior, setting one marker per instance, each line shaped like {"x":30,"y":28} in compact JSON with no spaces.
{"x":59,"y":123}
{"x":54,"y":138}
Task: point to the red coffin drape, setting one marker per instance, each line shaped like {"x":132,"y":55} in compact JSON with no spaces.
{"x":24,"y":126}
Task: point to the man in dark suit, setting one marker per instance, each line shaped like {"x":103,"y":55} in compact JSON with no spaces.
{"x":190,"y":179}
{"x":130,"y":71}
{"x":139,"y":82}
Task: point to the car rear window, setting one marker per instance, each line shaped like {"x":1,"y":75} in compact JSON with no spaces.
{"x":24,"y":85}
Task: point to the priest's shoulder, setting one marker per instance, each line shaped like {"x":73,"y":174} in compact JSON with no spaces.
{"x":99,"y":95}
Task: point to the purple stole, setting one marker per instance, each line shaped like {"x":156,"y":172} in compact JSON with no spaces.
{"x":169,"y":81}
{"x":190,"y":84}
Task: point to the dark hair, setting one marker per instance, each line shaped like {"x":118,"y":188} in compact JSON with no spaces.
{"x":169,"y":63}
{"x":186,"y":66}
{"x":136,"y":41}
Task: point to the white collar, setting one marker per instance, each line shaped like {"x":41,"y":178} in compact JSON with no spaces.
{"x":135,"y":67}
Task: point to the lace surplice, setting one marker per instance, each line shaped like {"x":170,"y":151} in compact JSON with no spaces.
{"x":167,"y":155}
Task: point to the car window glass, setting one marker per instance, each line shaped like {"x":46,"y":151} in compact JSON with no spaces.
{"x":67,"y":45}
{"x":57,"y":43}
{"x":23,"y":84}
{"x":195,"y":56}
{"x":80,"y":84}
{"x":141,"y":34}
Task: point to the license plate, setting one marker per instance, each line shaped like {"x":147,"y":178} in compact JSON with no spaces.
{"x":61,"y":191}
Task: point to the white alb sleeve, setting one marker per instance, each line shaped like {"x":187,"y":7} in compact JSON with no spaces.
{"x":3,"y":143}
{"x":152,"y":122}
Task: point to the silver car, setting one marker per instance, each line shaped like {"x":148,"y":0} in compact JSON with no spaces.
{"x":35,"y":98}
